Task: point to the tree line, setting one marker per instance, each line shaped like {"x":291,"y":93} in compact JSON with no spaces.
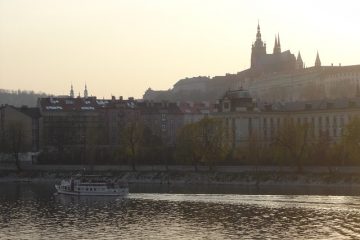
{"x":20,"y":98}
{"x":207,"y":142}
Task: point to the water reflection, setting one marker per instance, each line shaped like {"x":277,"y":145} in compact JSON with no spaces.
{"x":31,"y":211}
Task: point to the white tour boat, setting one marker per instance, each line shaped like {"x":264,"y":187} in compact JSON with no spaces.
{"x":91,"y":185}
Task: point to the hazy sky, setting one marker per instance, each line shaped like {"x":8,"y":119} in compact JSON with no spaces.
{"x":122,"y":47}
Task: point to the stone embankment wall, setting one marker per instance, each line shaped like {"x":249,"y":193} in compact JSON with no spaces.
{"x":181,"y":168}
{"x":159,"y":174}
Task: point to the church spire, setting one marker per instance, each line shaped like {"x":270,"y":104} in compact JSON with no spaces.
{"x":71,"y":91}
{"x":85,"y":92}
{"x":258,"y":34}
{"x":275,"y":44}
{"x":258,"y":49}
{"x":299,"y":62}
{"x":277,"y":48}
{"x":317,"y":61}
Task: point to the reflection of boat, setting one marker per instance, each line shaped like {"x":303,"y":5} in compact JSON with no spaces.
{"x":74,"y":201}
{"x":91,"y":185}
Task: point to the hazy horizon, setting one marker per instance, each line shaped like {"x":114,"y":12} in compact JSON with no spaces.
{"x":124,"y":47}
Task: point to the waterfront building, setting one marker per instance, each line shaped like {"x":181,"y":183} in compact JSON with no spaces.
{"x":81,"y":124}
{"x":163,"y":118}
{"x":243,"y":117}
{"x":20,"y":131}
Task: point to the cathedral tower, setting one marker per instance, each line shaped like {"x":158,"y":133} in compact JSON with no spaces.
{"x":317,"y":61}
{"x":277,"y":45}
{"x":299,"y":62}
{"x":85,"y":92}
{"x":258,"y":48}
{"x":72,"y":92}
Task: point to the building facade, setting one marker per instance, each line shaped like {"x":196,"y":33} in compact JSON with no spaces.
{"x":326,"y":117}
{"x":20,"y":131}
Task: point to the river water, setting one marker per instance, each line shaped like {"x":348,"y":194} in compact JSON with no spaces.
{"x":32,"y":211}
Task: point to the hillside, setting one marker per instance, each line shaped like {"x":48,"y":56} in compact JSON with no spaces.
{"x":20,"y":97}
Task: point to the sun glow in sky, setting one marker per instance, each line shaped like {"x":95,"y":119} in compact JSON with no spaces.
{"x":122,"y":47}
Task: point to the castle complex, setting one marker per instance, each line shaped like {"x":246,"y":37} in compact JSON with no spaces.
{"x":275,"y":77}
{"x":263,"y":63}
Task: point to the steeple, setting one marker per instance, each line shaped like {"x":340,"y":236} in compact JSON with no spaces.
{"x":275,"y":44}
{"x":317,"y":61}
{"x":71,"y":91}
{"x":85,"y":92}
{"x":277,"y":48}
{"x":299,"y":62}
{"x":258,"y":34}
{"x":258,"y":48}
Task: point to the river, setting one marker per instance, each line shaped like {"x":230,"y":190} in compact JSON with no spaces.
{"x":32,"y":211}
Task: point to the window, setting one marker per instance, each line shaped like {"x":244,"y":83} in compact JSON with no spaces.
{"x":163,"y":117}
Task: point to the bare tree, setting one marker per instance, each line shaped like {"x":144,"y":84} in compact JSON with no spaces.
{"x":205,"y":141}
{"x":15,"y":141}
{"x":351,"y":140}
{"x":294,"y":139}
{"x":132,"y":139}
{"x":256,"y":149}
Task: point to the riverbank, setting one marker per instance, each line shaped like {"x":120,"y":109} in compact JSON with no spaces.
{"x":244,"y":178}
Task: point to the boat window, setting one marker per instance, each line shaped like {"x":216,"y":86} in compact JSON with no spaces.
{"x":87,"y":189}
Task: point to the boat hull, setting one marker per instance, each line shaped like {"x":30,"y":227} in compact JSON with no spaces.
{"x":120,"y":192}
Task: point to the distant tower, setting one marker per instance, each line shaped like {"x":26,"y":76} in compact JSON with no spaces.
{"x":299,"y":62}
{"x":277,"y":46}
{"x":258,"y":48}
{"x":72,"y":92}
{"x":85,"y":92}
{"x":317,"y":61}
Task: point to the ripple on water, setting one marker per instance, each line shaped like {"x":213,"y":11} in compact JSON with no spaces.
{"x":179,"y":216}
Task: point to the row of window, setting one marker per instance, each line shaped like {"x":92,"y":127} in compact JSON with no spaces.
{"x":327,"y":121}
